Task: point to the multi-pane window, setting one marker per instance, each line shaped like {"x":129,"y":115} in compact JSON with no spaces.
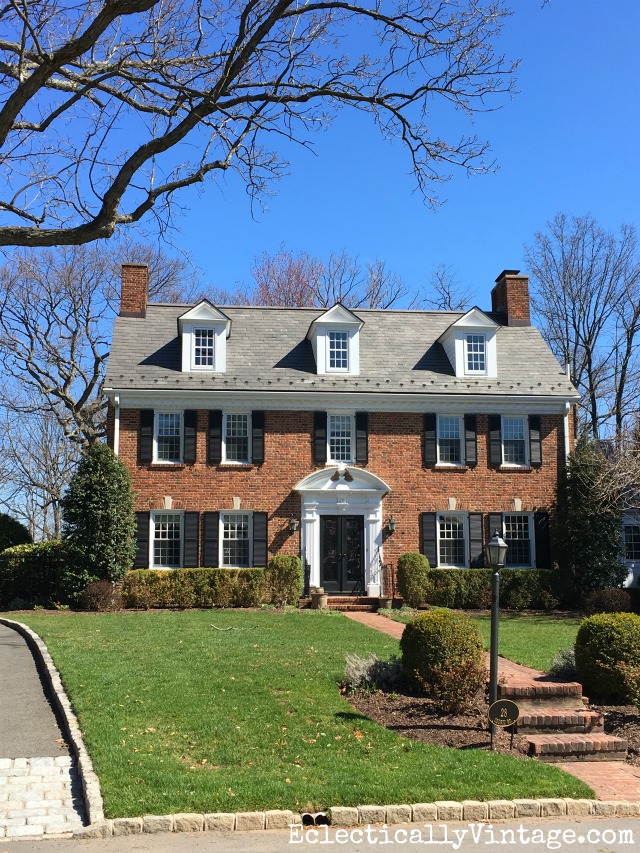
{"x":476,"y":354}
{"x":168,"y":437}
{"x":340,"y":438}
{"x":167,"y":532}
{"x":338,"y":350}
{"x":631,"y":542}
{"x":203,"y":347}
{"x":449,"y":447}
{"x":514,"y":448}
{"x":517,"y":535}
{"x":236,"y":539}
{"x":452,"y":541}
{"x":236,"y":437}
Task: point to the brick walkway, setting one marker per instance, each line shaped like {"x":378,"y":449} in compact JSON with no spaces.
{"x":611,"y":780}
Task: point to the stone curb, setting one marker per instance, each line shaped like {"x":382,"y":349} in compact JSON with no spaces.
{"x":443,"y":811}
{"x":94,"y":807}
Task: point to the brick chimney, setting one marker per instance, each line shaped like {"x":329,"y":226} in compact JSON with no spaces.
{"x":510,"y":297}
{"x":135,"y":290}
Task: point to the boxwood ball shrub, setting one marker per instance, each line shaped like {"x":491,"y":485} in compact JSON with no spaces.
{"x":607,"y":643}
{"x":413,"y":578}
{"x":443,"y":651}
{"x":283,"y":580}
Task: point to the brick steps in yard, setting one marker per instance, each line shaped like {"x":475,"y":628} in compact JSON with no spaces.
{"x":566,"y":720}
{"x":544,"y":692}
{"x":352,"y":603}
{"x":577,"y":747}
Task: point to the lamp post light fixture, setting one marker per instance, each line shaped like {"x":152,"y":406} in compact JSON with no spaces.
{"x":496,"y":552}
{"x":392,"y":524}
{"x":293,"y":524}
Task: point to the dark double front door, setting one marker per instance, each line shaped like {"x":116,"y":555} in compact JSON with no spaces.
{"x":342,"y":554}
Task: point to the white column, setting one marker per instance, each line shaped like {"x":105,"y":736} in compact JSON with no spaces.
{"x":311,"y":540}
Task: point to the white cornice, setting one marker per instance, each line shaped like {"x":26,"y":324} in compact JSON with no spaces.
{"x":347,"y":402}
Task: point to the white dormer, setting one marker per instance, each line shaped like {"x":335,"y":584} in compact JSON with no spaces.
{"x":470,"y":345}
{"x":335,"y":338}
{"x":204,"y":331}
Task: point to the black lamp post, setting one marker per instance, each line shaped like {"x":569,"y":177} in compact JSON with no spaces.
{"x":496,"y":552}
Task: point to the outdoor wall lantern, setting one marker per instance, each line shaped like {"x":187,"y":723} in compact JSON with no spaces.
{"x":496,"y":553}
{"x":293,"y":524}
{"x":392,"y":524}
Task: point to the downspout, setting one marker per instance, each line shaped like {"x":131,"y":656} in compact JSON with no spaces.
{"x":567,"y":415}
{"x":116,"y":425}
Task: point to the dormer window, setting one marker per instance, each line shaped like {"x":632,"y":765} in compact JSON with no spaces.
{"x":204,"y":330}
{"x":338,"y":351}
{"x":476,"y":353}
{"x":335,"y":338}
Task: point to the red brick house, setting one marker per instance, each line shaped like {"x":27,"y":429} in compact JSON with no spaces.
{"x":348,"y":437}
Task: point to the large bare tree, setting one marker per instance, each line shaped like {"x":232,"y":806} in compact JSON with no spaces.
{"x":111,"y":107}
{"x":56,"y":313}
{"x":586,"y":296}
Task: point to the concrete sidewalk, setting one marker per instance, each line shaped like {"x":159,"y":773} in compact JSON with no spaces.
{"x":610,"y":780}
{"x":40,"y":794}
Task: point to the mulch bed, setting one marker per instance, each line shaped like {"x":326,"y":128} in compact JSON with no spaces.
{"x":416,"y":716}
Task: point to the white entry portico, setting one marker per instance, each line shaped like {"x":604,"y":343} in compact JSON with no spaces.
{"x":343,"y":490}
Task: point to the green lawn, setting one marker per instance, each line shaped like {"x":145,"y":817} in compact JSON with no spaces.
{"x":532,"y":640}
{"x":179,"y":715}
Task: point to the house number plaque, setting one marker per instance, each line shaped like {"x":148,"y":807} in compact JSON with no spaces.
{"x":503,"y":713}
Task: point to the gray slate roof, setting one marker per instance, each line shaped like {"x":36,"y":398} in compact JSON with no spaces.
{"x":267,"y":350}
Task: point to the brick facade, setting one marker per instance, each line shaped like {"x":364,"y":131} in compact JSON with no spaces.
{"x":510,"y":297}
{"x":135,"y":290}
{"x":395,"y":455}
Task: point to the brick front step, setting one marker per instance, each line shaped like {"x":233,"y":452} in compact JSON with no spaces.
{"x":575,"y":747}
{"x":542,"y":693}
{"x":361,"y":603}
{"x":566,"y":720}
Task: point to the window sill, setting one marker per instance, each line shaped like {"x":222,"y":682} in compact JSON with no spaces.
{"x":514,"y":469}
{"x":168,"y":465}
{"x":241,"y":465}
{"x":444,"y":467}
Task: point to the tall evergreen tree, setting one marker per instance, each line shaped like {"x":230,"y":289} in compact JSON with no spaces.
{"x":588,"y":517}
{"x":98,"y":513}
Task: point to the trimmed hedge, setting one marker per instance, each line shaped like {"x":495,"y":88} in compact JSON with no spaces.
{"x":470,"y":589}
{"x":607,"y":646}
{"x":283,"y":580}
{"x":42,"y":573}
{"x":145,"y":588}
{"x":413,"y":578}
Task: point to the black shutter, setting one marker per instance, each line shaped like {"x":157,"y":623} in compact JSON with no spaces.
{"x":543,"y":550}
{"x":257,"y":438}
{"x":190,"y":436}
{"x":495,"y":523}
{"x":320,"y":437}
{"x":259,"y":539}
{"x":476,"y":540}
{"x":495,"y":441}
{"x":470,"y":441}
{"x":214,"y":449}
{"x":142,"y":541}
{"x":190,"y":539}
{"x":145,"y":437}
{"x":211,"y":524}
{"x":429,"y":444}
{"x":429,"y":521}
{"x":362,"y":438}
{"x":535,"y":440}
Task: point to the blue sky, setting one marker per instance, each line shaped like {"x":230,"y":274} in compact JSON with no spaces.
{"x":568,"y":141}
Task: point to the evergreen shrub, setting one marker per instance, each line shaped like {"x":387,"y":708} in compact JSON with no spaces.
{"x":283,"y":580}
{"x":605,"y":644}
{"x":43,"y":573}
{"x":613,"y":600}
{"x":413,"y":572}
{"x":181,"y":588}
{"x":12,"y":532}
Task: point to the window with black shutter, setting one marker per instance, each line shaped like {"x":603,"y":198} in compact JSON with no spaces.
{"x":470,"y":441}
{"x":428,"y":535}
{"x":143,"y":520}
{"x":211,"y":532}
{"x":260,"y":523}
{"x":320,"y":438}
{"x":214,"y":438}
{"x":495,"y":523}
{"x":362,"y":438}
{"x":257,"y":438}
{"x":191,"y":540}
{"x":429,"y":456}
{"x":145,"y":437}
{"x":495,"y":441}
{"x":476,"y":540}
{"x":535,"y":441}
{"x":190,"y":436}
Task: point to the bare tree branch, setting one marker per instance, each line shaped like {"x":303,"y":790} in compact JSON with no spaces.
{"x":143,"y":82}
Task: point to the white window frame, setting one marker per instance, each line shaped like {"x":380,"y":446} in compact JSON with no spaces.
{"x":156,"y":419}
{"x":464,"y":518}
{"x":152,"y":537}
{"x":346,"y":334}
{"x":525,"y":432}
{"x":462,"y":461}
{"x":532,"y":539}
{"x":628,"y":521}
{"x":352,"y":418}
{"x":227,"y":460}
{"x":467,"y":370}
{"x":203,"y":328}
{"x":223,"y":515}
